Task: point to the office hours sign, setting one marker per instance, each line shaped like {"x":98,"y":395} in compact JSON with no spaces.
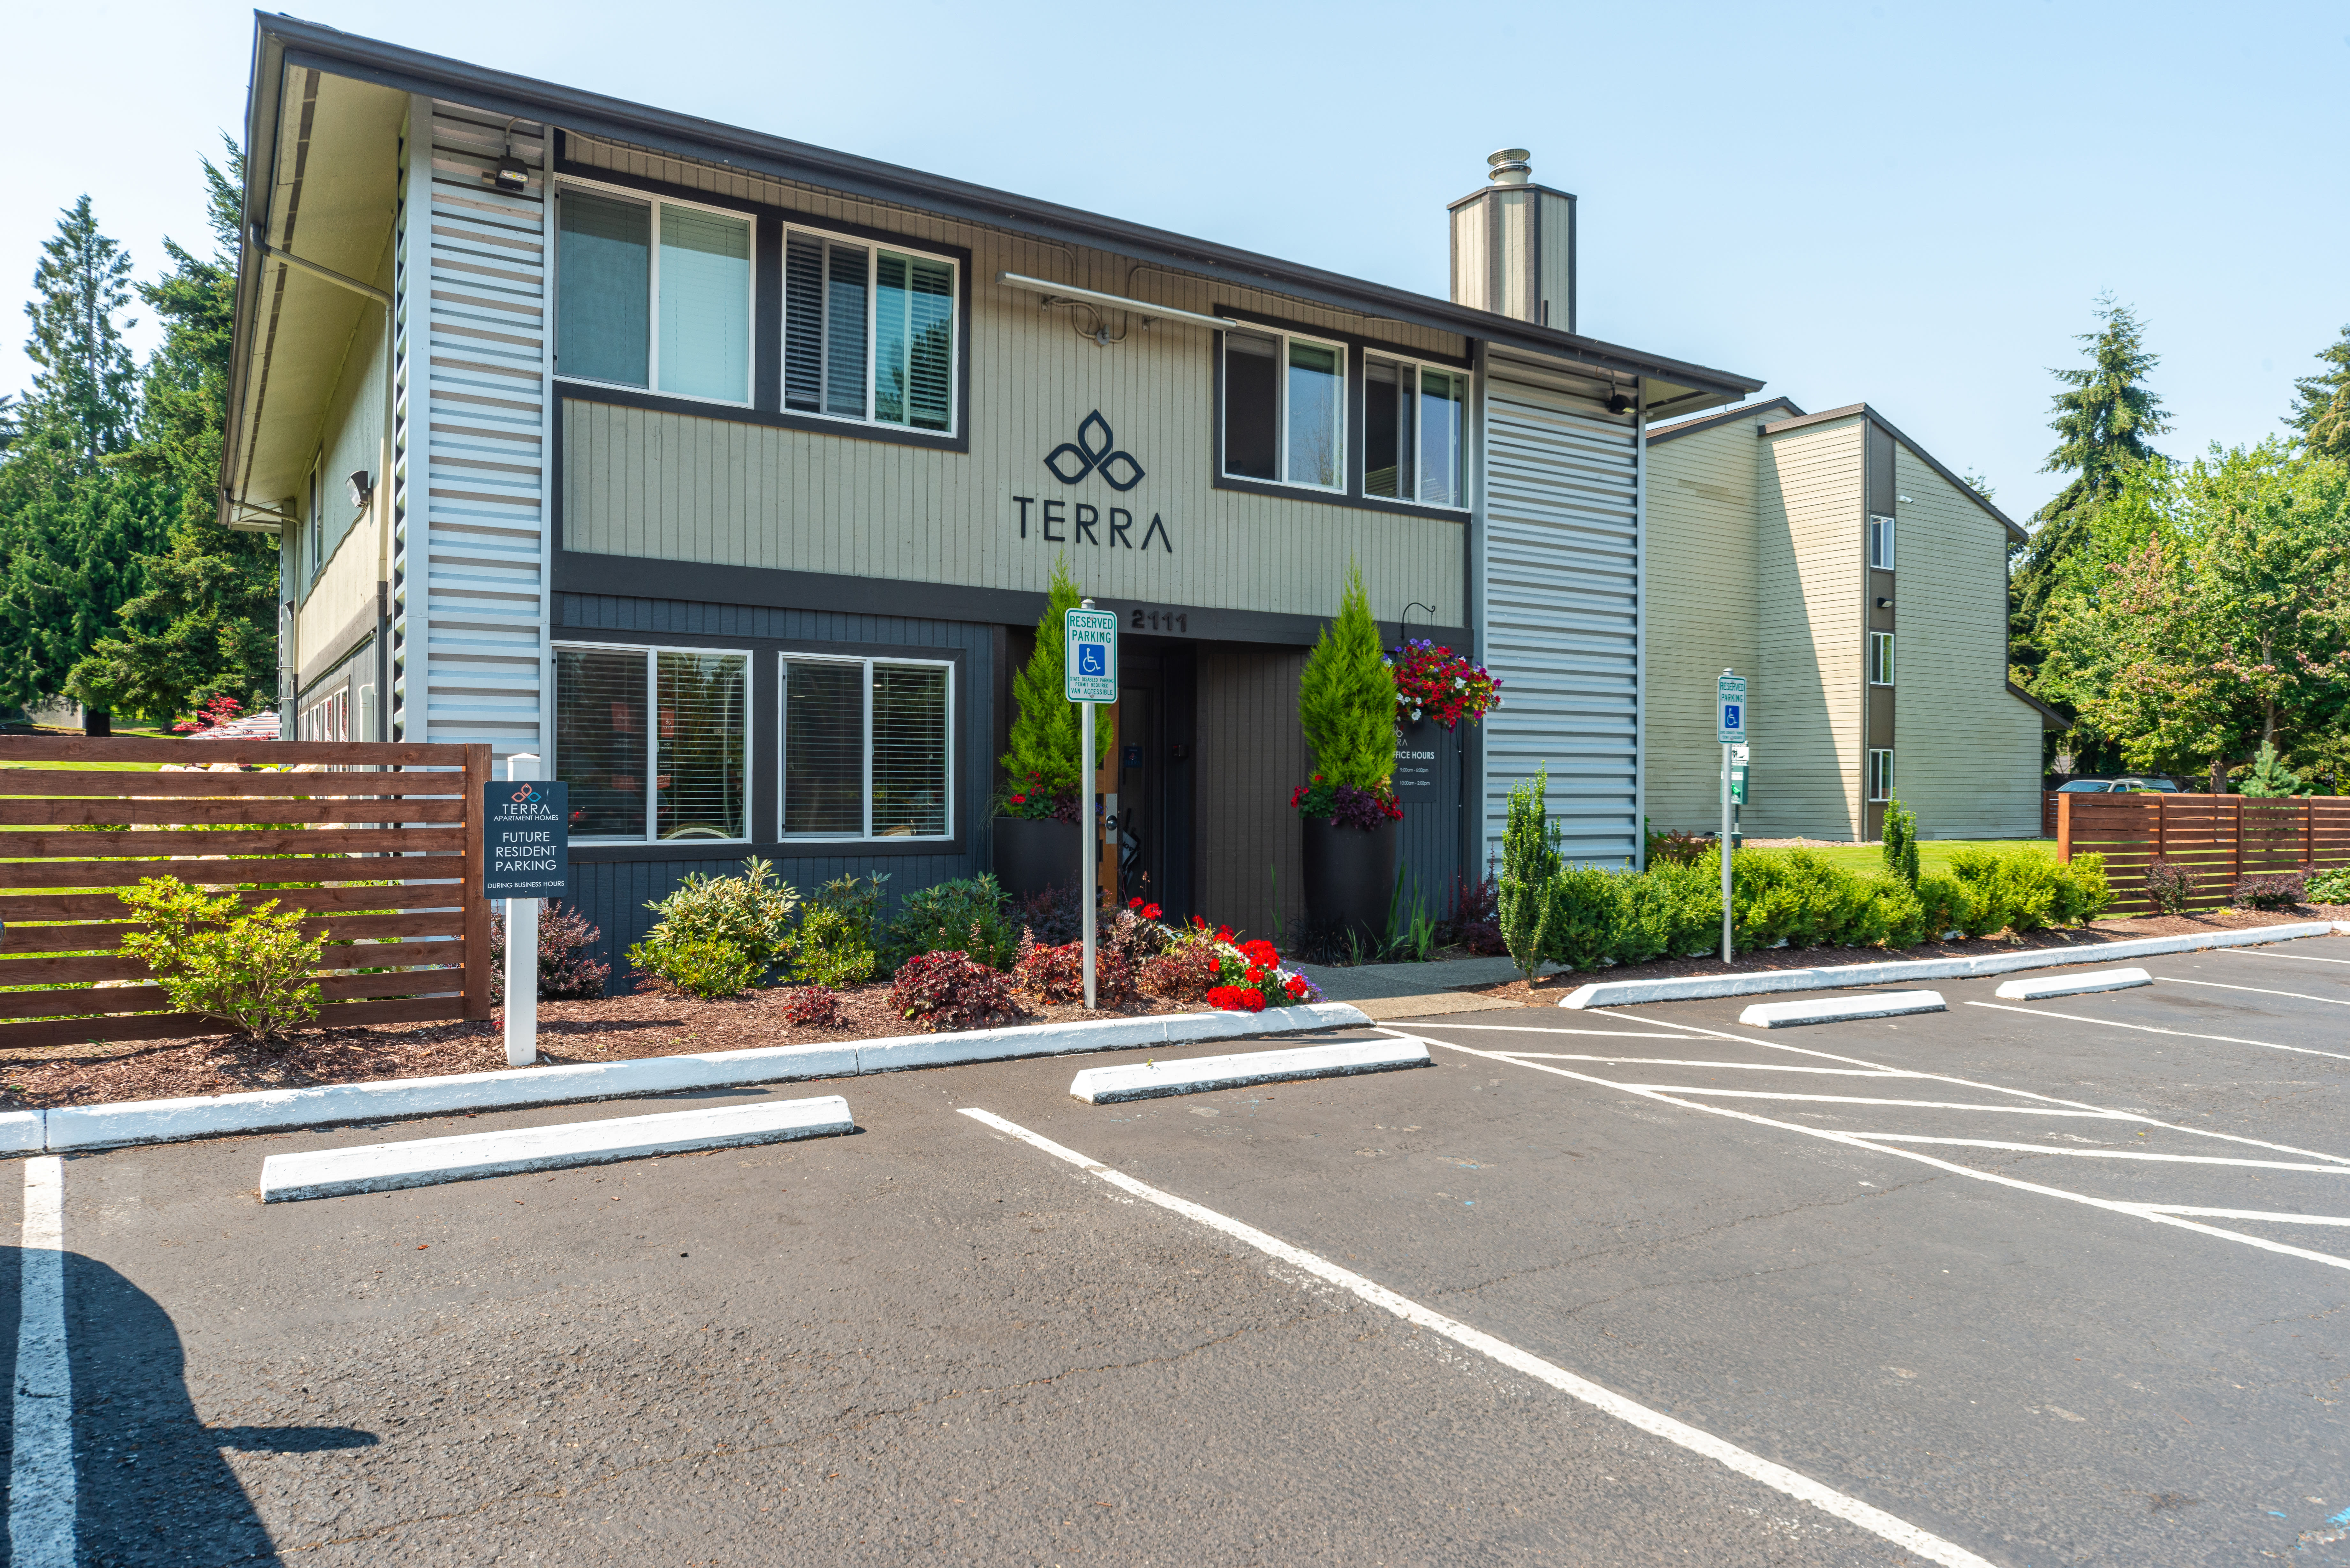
{"x":526,"y":838}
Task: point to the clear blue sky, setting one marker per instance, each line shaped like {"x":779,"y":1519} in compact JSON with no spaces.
{"x":1914,"y":206}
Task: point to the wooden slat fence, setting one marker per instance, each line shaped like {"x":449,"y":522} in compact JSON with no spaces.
{"x":2218,"y":838}
{"x":382,"y":838}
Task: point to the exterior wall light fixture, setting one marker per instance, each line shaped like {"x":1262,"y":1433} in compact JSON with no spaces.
{"x":511,"y":174}
{"x":361,"y":486}
{"x":1620,"y":403}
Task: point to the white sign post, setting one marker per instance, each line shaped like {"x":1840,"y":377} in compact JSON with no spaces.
{"x":522,"y":953}
{"x":1729,"y":692}
{"x":1089,"y":649}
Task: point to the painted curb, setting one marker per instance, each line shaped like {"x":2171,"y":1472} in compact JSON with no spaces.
{"x":2072,"y":985}
{"x":1153,"y":1080}
{"x":1709,"y":987}
{"x":389,"y":1099}
{"x":427,"y":1162}
{"x":1843,"y":1009}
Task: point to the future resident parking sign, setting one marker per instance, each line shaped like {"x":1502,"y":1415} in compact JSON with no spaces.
{"x":526,"y":839}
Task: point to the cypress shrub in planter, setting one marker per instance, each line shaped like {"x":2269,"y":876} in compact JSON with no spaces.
{"x":1037,"y":838}
{"x":1347,"y":706}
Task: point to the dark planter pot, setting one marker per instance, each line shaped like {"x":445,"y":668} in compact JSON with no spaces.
{"x":1033,"y":853}
{"x":1350,"y":875}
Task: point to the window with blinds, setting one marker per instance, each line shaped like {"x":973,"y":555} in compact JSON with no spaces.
{"x":1284,"y":409}
{"x":672,"y":315}
{"x":868,"y":748}
{"x":654,"y":742}
{"x":868,"y":333}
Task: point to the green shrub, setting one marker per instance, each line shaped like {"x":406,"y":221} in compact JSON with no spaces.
{"x":706,"y":967}
{"x":2022,"y":889}
{"x":1896,"y":917}
{"x":1584,"y":917}
{"x":1045,"y":725}
{"x":1947,"y":904}
{"x":751,"y":914}
{"x":1901,"y":842}
{"x":250,"y":969}
{"x":1530,"y":860}
{"x":1346,"y":696}
{"x":965,"y":915}
{"x":2330,"y":887}
{"x":1797,"y":897}
{"x":836,"y":932}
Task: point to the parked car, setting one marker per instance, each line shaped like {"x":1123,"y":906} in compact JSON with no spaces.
{"x":2124,"y":785}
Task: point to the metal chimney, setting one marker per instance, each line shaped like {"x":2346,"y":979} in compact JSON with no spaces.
{"x":1514,"y":246}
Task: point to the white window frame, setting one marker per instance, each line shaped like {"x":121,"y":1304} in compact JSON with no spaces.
{"x":1880,"y":774}
{"x":1882,"y":669}
{"x":783,"y":740}
{"x":872,"y":249}
{"x":653,"y":295}
{"x":1281,"y":408}
{"x":652,"y":652}
{"x":316,"y":530}
{"x":1419,"y":428}
{"x":1881,"y":541}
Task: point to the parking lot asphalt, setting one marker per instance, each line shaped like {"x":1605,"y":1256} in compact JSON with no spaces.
{"x":2038,"y":1282}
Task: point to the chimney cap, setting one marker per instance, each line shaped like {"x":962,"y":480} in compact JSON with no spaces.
{"x":1509,"y":166}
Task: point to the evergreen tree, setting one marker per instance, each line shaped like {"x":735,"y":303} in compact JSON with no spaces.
{"x":2104,"y":420}
{"x":2321,"y":404}
{"x":206,"y":623}
{"x":1900,"y":842}
{"x":1046,"y":735}
{"x":2270,"y":778}
{"x":1346,"y":696}
{"x":84,"y":377}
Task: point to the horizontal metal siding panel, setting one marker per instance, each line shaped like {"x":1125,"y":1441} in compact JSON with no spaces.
{"x":1562,"y":624}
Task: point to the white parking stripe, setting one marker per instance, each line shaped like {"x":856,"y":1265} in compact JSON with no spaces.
{"x":41,"y":1473}
{"x":1851,"y":1509}
{"x":1850,"y":1140}
{"x":1606,"y":1034}
{"x":1740,"y":1066}
{"x":2250,"y":1214}
{"x":1857,"y":1100}
{"x":2151,"y":1029}
{"x":2266,"y":952}
{"x":2105,"y":1153}
{"x":2259,"y":989}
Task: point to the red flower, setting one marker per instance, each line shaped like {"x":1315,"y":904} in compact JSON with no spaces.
{"x":1152,"y":912}
{"x":1137,"y":903}
{"x":1255,"y":976}
{"x":1295,"y":985}
{"x":1260,"y":952}
{"x":1232,"y":999}
{"x":1022,"y":800}
{"x":1224,"y":933}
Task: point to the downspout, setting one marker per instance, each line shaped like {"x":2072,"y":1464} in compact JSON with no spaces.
{"x":382,"y":473}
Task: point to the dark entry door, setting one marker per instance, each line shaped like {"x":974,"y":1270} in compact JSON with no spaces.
{"x":1154,"y":778}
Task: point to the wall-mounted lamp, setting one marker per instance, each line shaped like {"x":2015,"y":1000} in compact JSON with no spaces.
{"x":1884,"y":603}
{"x":1906,"y":501}
{"x":510,"y":175}
{"x":361,"y":486}
{"x":1621,"y":403}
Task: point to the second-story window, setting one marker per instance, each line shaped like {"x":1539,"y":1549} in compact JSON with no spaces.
{"x":1413,"y":417}
{"x":868,"y":333}
{"x":1284,"y":409}
{"x":653,"y":294}
{"x":1881,"y":659}
{"x":1880,"y":543}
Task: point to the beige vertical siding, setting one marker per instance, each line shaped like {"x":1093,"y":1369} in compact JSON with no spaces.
{"x":1704,"y":614}
{"x":1251,"y":755}
{"x":1967,"y":757}
{"x":712,"y":489}
{"x":1806,"y":727}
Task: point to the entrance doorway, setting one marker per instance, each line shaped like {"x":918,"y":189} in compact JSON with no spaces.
{"x":1156,"y":712}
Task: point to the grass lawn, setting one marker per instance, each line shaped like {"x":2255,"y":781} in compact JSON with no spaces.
{"x":1933,"y":854}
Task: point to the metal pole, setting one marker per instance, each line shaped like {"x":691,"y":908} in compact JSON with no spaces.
{"x":522,"y":953}
{"x":1087,"y":847}
{"x":1725,"y":854}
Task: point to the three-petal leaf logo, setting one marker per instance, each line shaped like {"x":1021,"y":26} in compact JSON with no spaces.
{"x":1093,"y":453}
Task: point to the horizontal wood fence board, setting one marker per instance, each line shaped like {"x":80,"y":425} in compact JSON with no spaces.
{"x":57,"y":972}
{"x":97,"y":906}
{"x":90,"y":1001}
{"x":105,"y":936}
{"x":223,"y":870}
{"x":57,"y":1032}
{"x":255,"y":753}
{"x":47,"y":782}
{"x":2215,"y":839}
{"x":176,"y":841}
{"x":130,"y":812}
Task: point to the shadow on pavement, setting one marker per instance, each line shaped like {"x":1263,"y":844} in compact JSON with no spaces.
{"x":153,"y":1487}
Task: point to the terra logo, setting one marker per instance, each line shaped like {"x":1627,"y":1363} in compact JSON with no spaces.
{"x":527,"y":795}
{"x":1091,"y":453}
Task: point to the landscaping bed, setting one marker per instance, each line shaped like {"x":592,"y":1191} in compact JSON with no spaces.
{"x":613,"y":1029}
{"x":2085,"y":940}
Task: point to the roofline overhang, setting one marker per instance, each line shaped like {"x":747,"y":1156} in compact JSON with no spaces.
{"x":2014,"y":530}
{"x":1701,"y":422}
{"x":280,"y":41}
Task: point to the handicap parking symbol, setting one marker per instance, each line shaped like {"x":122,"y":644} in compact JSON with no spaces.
{"x":1093,"y":659}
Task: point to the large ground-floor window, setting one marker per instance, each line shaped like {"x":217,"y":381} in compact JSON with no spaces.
{"x":654,"y":742}
{"x":868,"y":748}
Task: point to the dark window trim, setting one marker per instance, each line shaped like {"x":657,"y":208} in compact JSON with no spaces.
{"x":973,"y":779}
{"x":1356,"y":347}
{"x":766,"y":408}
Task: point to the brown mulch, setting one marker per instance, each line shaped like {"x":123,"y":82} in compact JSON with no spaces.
{"x":1545,"y":992}
{"x":616,"y":1028}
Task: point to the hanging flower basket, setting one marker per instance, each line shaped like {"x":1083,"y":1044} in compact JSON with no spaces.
{"x":1432,"y":682}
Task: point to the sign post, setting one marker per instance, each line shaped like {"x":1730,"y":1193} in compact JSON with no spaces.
{"x":526,"y":856}
{"x":1089,"y":662}
{"x":1729,"y":692}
